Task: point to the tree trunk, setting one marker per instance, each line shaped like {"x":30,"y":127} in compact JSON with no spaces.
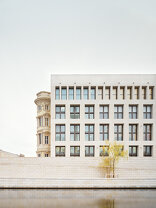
{"x":113,"y":169}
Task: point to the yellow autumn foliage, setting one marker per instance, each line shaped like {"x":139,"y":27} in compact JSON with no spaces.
{"x":114,"y":152}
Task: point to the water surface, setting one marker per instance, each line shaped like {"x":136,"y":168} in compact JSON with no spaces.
{"x":77,"y":198}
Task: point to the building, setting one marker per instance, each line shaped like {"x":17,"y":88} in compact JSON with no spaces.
{"x":43,"y":124}
{"x":9,"y":154}
{"x":82,"y":112}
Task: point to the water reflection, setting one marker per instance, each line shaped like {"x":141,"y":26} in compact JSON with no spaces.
{"x":98,"y":198}
{"x":103,"y":203}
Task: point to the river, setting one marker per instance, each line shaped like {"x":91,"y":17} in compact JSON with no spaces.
{"x":77,"y":198}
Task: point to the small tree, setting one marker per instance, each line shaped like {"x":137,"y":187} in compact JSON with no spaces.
{"x":110,"y":157}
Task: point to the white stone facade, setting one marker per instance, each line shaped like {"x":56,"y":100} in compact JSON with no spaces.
{"x":124,"y":91}
{"x":86,"y":111}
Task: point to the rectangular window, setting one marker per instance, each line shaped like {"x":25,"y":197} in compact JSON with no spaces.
{"x":75,"y":151}
{"x":122,"y":93}
{"x":133,"y":132}
{"x":60,"y":151}
{"x":115,"y":91}
{"x":151,"y":92}
{"x":107,"y":93}
{"x":64,"y":93}
{"x":46,"y":121}
{"x":60,"y":132}
{"x":85,"y":93}
{"x":147,"y":111}
{"x":104,"y":112}
{"x":46,"y":139}
{"x":71,"y":93}
{"x":39,"y":155}
{"x":104,"y":151}
{"x":74,"y":132}
{"x":89,"y":151}
{"x":46,"y":107}
{"x":133,"y":111}
{"x":136,"y":93}
{"x":60,"y":112}
{"x":143,"y":92}
{"x":89,"y":112}
{"x":100,"y":93}
{"x":39,"y":108}
{"x":40,"y":138}
{"x":46,"y":155}
{"x":57,"y":93}
{"x":89,"y":132}
{"x":104,"y":132}
{"x":147,"y":129}
{"x":40,"y":121}
{"x":118,"y":111}
{"x":78,"y":93}
{"x":147,"y":151}
{"x":133,"y":151}
{"x":74,"y":112}
{"x":129,"y":93}
{"x":118,"y":132}
{"x":93,"y":93}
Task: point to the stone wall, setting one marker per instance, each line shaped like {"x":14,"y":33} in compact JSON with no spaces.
{"x":75,"y":173}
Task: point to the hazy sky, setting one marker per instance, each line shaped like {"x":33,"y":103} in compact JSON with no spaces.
{"x":41,"y":37}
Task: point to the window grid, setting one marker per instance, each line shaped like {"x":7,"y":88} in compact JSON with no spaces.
{"x":133,"y":132}
{"x":74,"y":132}
{"x":133,"y":151}
{"x":78,"y":93}
{"x":89,"y":132}
{"x":60,"y":112}
{"x":104,"y":132}
{"x":133,"y":111}
{"x":74,"y":112}
{"x":93,"y":93}
{"x":118,"y":132}
{"x":57,"y":93}
{"x":46,"y":107}
{"x":89,"y":151}
{"x":60,"y":132}
{"x":75,"y":151}
{"x":104,"y":151}
{"x":40,"y":121}
{"x":40,"y":138}
{"x":71,"y":93}
{"x":64,"y":93}
{"x":147,"y":132}
{"x":147,"y":151}
{"x":89,"y":112}
{"x":85,"y":93}
{"x":118,"y":111}
{"x":60,"y":151}
{"x":104,"y":112}
{"x":39,"y":108}
{"x":46,"y":121}
{"x":46,"y":139}
{"x":147,"y":111}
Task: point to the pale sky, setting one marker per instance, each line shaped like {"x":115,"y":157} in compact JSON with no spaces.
{"x":43,"y":37}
